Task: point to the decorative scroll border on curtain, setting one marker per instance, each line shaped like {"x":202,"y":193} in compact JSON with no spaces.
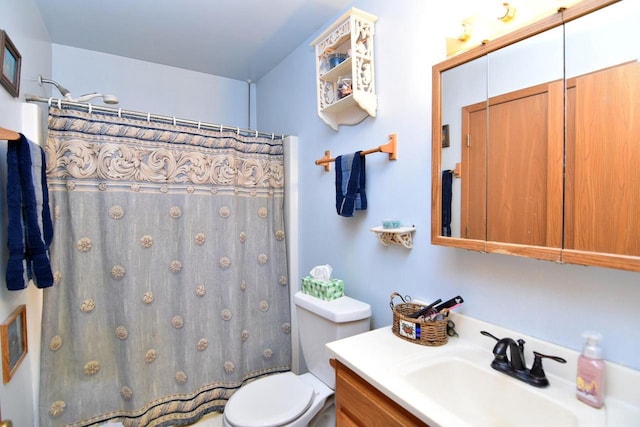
{"x":169,"y":259}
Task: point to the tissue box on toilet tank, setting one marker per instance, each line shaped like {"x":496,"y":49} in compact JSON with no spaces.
{"x":328,"y":291}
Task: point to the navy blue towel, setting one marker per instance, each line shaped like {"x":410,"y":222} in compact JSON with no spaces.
{"x":350,"y":184}
{"x":447,"y":196}
{"x":29,"y":217}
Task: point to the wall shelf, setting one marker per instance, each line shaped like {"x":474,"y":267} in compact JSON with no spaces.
{"x":342,"y":69}
{"x":351,"y":35}
{"x":402,"y":236}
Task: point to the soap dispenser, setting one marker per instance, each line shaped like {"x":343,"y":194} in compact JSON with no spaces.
{"x":591,"y":371}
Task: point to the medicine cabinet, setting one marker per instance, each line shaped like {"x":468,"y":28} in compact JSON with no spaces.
{"x":345,"y":75}
{"x":542,"y":127}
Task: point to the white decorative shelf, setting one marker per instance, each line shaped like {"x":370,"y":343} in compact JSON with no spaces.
{"x":352,"y":35}
{"x":402,"y":236}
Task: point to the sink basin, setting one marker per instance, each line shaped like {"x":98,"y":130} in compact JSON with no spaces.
{"x":471,"y":391}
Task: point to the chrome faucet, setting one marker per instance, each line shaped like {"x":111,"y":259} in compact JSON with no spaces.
{"x":514,"y":364}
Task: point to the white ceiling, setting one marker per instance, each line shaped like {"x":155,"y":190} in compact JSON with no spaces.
{"x":238,"y":39}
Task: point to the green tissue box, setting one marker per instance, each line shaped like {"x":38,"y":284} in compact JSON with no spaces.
{"x":328,"y":291}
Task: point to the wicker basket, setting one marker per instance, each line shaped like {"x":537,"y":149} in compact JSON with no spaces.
{"x":432,"y":333}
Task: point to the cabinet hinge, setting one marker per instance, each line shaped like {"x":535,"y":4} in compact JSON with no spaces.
{"x":468,"y":140}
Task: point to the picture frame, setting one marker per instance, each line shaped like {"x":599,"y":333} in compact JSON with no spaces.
{"x":445,"y":136}
{"x":13,"y":338}
{"x":10,"y":61}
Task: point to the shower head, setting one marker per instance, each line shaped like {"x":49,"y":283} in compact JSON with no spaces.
{"x":66,"y":94}
{"x":63,"y":91}
{"x":106,"y":98}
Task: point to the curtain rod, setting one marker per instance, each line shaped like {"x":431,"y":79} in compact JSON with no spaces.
{"x":61,"y":103}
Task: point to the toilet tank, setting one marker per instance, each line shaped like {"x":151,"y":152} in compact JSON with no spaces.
{"x":320,"y":322}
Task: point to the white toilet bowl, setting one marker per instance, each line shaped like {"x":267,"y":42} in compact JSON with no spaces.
{"x":282,"y":399}
{"x":289,"y":400}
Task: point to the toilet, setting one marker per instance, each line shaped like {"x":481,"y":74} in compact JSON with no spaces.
{"x":291,"y":400}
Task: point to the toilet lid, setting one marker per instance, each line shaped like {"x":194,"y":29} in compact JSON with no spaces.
{"x":269,"y":401}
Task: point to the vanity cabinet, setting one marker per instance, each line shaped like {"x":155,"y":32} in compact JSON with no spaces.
{"x":346,"y":90}
{"x":542,"y":124}
{"x":360,"y":404}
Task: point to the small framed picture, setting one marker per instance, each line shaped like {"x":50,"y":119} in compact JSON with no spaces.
{"x":13,"y":337}
{"x":10,"y":60}
{"x":445,"y":136}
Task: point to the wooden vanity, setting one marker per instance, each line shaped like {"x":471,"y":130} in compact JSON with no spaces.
{"x":358,"y":403}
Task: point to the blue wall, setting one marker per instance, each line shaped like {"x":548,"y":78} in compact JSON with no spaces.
{"x":542,"y":299}
{"x":148,"y":87}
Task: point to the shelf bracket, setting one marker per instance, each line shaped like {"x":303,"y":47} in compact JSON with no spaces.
{"x":402,"y":236}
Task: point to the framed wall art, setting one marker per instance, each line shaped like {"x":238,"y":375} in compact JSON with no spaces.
{"x":13,"y":337}
{"x":445,"y":136}
{"x":10,"y":60}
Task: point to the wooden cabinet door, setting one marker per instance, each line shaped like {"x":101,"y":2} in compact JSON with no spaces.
{"x":524,"y":166}
{"x":474,"y":172}
{"x":512,"y":168}
{"x":360,"y":404}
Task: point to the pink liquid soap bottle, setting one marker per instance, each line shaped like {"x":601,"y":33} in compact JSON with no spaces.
{"x":590,"y":379}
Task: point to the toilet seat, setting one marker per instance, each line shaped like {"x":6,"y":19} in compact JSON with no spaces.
{"x":270,"y":401}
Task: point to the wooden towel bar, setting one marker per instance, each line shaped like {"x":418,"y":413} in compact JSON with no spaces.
{"x":9,"y":135}
{"x":390,"y":147}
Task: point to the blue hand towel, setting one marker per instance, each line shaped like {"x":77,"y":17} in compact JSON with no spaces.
{"x":29,"y":216}
{"x":447,"y":194}
{"x":350,"y":184}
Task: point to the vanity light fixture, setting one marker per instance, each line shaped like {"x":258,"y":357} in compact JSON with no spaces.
{"x":466,"y":32}
{"x":507,"y":12}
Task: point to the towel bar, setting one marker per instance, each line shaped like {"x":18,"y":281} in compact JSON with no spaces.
{"x":8,"y":134}
{"x":457,"y":172}
{"x":390,"y":147}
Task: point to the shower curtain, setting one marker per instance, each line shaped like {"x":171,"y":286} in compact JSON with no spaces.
{"x":169,"y":260}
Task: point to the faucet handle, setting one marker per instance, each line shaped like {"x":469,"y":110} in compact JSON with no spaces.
{"x":487,"y":334}
{"x":536,"y":370}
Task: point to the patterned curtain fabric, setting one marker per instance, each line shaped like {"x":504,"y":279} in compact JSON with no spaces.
{"x":169,"y":261}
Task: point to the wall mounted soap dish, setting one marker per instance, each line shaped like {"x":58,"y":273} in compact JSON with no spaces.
{"x":402,"y":236}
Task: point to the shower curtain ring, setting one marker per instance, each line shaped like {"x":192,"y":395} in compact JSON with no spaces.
{"x":199,"y":123}
{"x":148,"y":117}
{"x":50,"y":99}
{"x":238,"y":130}
{"x":174,"y":120}
{"x":120,"y":112}
{"x":90,"y":108}
{"x":256,"y":133}
{"x":273,"y":136}
{"x":60,"y":103}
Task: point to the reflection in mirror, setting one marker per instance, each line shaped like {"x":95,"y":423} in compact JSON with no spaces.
{"x":552,"y":116}
{"x":462,"y":86}
{"x":602,"y":193}
{"x":525,"y":141}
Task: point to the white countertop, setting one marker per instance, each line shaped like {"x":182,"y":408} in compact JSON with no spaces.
{"x":377,"y":355}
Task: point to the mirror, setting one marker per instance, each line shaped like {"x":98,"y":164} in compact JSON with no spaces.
{"x":545,"y":163}
{"x":602,"y":184}
{"x":464,"y":88}
{"x":524,"y":143}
